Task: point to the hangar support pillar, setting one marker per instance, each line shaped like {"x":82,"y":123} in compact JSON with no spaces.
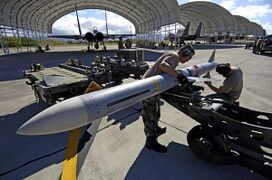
{"x":3,"y":41}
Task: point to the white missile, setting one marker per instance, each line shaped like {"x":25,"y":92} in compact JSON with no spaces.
{"x":82,"y":110}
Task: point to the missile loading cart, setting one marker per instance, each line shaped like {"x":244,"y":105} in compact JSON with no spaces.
{"x":227,"y":132}
{"x":72,"y":78}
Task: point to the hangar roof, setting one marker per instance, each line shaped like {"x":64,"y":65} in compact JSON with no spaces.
{"x":39,"y":15}
{"x":214,"y":17}
{"x":247,"y":27}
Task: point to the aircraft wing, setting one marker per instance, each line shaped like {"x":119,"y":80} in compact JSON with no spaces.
{"x":76,"y":37}
{"x":113,"y":36}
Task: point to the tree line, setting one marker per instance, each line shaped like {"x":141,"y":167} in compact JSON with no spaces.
{"x":26,"y":42}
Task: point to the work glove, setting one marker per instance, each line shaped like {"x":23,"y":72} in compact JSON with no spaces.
{"x":198,"y":88}
{"x":182,"y":79}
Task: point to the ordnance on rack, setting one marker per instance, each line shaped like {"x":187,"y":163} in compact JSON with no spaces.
{"x":72,"y":78}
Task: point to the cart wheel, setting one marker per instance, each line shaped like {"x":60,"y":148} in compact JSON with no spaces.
{"x":209,"y":146}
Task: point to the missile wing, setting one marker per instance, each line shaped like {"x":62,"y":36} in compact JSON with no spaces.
{"x":113,"y":36}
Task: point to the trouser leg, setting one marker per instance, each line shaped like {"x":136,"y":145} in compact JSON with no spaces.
{"x":151,"y":115}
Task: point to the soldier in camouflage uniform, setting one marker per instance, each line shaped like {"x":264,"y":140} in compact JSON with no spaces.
{"x":151,"y":106}
{"x":151,"y":115}
{"x":232,"y":86}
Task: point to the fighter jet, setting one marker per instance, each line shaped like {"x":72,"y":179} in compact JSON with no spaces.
{"x":185,"y":32}
{"x":92,"y":37}
{"x":184,"y":36}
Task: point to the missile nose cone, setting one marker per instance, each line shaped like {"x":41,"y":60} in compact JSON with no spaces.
{"x":64,"y":116}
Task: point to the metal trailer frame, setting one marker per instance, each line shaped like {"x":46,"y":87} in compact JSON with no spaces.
{"x":228,"y":133}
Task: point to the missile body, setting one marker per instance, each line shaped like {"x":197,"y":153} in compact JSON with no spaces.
{"x":82,"y":110}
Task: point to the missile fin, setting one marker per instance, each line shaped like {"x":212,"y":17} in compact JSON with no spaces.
{"x":207,"y":75}
{"x":212,"y":56}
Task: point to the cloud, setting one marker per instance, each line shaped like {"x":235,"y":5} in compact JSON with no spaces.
{"x":268,"y":27}
{"x":198,"y":0}
{"x":116,"y":25}
{"x":65,"y":25}
{"x":255,"y":1}
{"x":252,"y":11}
{"x":113,"y":15}
{"x":256,"y":21}
{"x":228,"y":4}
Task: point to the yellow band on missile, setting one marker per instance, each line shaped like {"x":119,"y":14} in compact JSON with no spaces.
{"x":157,"y":87}
{"x":70,"y":163}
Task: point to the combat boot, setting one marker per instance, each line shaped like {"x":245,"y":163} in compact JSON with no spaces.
{"x":152,"y":143}
{"x":160,"y":131}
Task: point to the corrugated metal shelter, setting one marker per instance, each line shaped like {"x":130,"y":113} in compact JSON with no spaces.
{"x":215,"y":18}
{"x":146,"y":15}
{"x":39,"y":15}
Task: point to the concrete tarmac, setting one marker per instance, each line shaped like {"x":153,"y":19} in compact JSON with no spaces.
{"x":118,"y":149}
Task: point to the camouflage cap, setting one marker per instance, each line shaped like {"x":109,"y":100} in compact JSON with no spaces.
{"x":223,"y":68}
{"x":186,"y":50}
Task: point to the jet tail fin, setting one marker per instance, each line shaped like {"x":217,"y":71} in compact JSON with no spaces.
{"x":106,"y":18}
{"x":78,"y":24}
{"x":186,"y":30}
{"x":212,"y":56}
{"x":198,"y":30}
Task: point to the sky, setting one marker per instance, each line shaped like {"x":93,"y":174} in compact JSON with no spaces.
{"x":93,"y":19}
{"x":259,"y":11}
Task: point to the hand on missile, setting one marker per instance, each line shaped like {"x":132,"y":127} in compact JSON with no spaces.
{"x":182,"y":79}
{"x":208,"y":82}
{"x":207,"y":75}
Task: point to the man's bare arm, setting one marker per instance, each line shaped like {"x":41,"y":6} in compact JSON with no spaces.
{"x":215,"y":89}
{"x":168,"y":69}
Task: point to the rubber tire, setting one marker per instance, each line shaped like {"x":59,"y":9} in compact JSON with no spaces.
{"x":204,"y":143}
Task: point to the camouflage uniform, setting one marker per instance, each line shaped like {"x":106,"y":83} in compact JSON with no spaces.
{"x":151,"y":114}
{"x":151,"y":107}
